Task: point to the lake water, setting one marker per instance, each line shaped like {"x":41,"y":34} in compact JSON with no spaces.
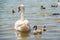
{"x":34,"y":14}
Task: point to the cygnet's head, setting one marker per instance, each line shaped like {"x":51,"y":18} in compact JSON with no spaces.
{"x":35,"y":27}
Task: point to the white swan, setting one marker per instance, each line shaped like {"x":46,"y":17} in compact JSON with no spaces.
{"x":22,"y":24}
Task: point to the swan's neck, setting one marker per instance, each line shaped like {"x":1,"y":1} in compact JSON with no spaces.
{"x":22,"y":16}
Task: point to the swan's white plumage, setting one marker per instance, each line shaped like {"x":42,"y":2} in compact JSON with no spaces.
{"x":22,"y":25}
{"x":20,"y":22}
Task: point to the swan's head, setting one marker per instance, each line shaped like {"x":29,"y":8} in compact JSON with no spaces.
{"x":22,"y":5}
{"x":22,"y":8}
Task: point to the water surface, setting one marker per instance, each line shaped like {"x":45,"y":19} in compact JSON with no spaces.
{"x":35,"y":16}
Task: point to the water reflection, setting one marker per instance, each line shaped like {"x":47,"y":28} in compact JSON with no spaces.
{"x":37,"y":36}
{"x":21,"y":35}
{"x":27,"y":36}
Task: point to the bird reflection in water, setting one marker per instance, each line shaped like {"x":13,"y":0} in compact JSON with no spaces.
{"x":22,"y":35}
{"x":38,"y":36}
